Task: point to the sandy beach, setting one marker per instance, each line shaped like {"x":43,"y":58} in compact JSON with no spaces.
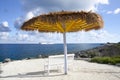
{"x":33,"y":69}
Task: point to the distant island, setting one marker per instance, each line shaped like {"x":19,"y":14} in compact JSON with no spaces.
{"x":45,"y":43}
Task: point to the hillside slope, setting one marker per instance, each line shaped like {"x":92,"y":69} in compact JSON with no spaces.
{"x":109,"y":49}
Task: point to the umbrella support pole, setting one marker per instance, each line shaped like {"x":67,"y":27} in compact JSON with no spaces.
{"x":65,"y":54}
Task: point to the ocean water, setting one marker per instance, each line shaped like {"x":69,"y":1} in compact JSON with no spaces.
{"x":21,"y":51}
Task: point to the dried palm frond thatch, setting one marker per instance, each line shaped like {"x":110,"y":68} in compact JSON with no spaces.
{"x":64,"y":17}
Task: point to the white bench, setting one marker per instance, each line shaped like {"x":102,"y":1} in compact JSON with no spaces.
{"x":56,"y":62}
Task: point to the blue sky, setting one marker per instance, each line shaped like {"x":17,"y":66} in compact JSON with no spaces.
{"x":14,"y":12}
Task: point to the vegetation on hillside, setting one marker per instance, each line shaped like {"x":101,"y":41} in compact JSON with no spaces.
{"x":107,"y":54}
{"x":106,"y":60}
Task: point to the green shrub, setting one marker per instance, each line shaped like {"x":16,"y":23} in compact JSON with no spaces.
{"x":106,"y":60}
{"x":92,"y":54}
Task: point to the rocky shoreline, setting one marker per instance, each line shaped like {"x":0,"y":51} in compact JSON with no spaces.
{"x":109,"y":49}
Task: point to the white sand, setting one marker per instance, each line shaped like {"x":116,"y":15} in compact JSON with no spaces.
{"x":80,"y":70}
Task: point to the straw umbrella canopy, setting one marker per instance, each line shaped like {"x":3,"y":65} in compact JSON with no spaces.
{"x":63,"y":22}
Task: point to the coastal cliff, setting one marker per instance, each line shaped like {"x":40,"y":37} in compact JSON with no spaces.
{"x":109,"y":49}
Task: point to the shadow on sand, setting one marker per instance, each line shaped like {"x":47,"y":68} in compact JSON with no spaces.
{"x":33,"y":74}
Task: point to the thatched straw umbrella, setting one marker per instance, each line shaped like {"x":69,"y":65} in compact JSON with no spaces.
{"x":63,"y":22}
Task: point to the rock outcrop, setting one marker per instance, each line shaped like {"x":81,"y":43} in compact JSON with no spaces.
{"x":7,"y":60}
{"x":109,"y":49}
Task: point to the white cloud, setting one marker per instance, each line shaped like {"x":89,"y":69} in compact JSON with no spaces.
{"x":103,"y":1}
{"x":4,"y":27}
{"x":24,"y":37}
{"x":5,"y":24}
{"x":37,"y":37}
{"x":101,"y":36}
{"x":55,"y":5}
{"x":29,"y":16}
{"x":116,"y":11}
{"x":109,"y":12}
{"x":18,"y":22}
{"x":4,"y":35}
